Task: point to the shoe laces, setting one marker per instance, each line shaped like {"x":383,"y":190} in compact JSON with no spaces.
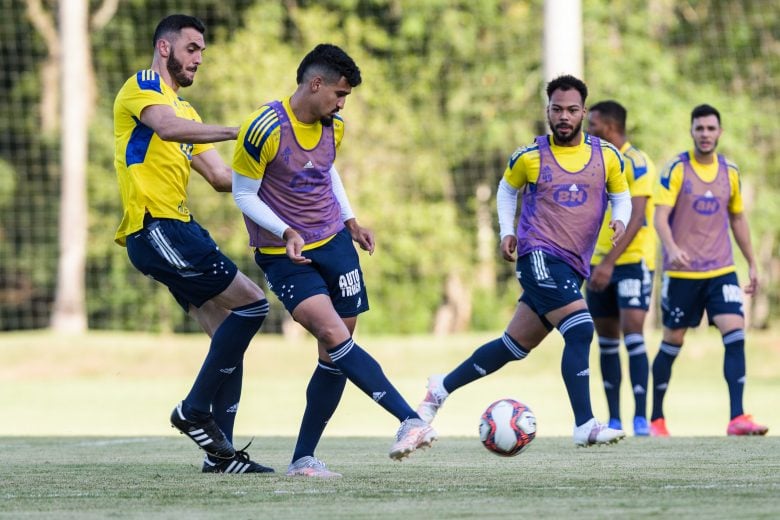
{"x":242,"y":455}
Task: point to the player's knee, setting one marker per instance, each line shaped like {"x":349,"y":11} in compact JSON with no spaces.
{"x":577,"y":327}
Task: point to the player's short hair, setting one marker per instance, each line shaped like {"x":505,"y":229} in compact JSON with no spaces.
{"x":613,"y":111}
{"x":705,"y":110}
{"x":174,"y":24}
{"x":331,"y":62}
{"x":567,"y":82}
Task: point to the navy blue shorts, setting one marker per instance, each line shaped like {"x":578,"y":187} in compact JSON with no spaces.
{"x":629,"y":288}
{"x":683,"y":301}
{"x":548,"y":282}
{"x":182,"y":256}
{"x":334,"y":271}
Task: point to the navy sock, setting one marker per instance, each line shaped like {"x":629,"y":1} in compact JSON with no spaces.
{"x":639,"y":369}
{"x":485,"y":360}
{"x":662,"y":372}
{"x":366,"y":374}
{"x":225,"y":403}
{"x":322,"y":397}
{"x":577,"y":330}
{"x":228,"y":345}
{"x":734,"y":368}
{"x":609,"y":356}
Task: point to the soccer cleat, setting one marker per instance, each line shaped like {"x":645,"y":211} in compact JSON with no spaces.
{"x":309,"y":466}
{"x":593,"y":432}
{"x":412,"y":434}
{"x":744,"y":425}
{"x":434,"y":398}
{"x":205,"y":432}
{"x":641,"y":428}
{"x":615,"y":424}
{"x":240,"y":463}
{"x":658,"y":428}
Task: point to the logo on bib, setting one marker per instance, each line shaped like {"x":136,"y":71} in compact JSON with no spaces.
{"x":571,"y":195}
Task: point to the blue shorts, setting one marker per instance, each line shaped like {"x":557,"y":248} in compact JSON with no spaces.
{"x":683,"y":301}
{"x":334,"y":271}
{"x":182,"y":256}
{"x":629,"y":288}
{"x":548,"y":282}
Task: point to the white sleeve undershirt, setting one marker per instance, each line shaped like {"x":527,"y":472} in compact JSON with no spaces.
{"x":245,"y":191}
{"x":341,"y":195}
{"x":506,"y":206}
{"x":621,"y":206}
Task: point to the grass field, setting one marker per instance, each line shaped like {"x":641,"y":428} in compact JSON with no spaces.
{"x":85,"y":435}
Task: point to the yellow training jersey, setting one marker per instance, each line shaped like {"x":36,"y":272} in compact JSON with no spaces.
{"x":641,"y":175}
{"x":670,"y":184}
{"x":262,"y":130}
{"x":152,"y":173}
{"x":523,"y":167}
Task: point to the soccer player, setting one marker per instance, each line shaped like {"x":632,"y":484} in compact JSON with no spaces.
{"x":302,"y":226}
{"x":158,"y":138}
{"x":565,"y":179}
{"x":696,"y":201}
{"x":621,"y":276}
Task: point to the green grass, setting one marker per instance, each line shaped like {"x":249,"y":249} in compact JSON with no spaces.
{"x":84,"y":434}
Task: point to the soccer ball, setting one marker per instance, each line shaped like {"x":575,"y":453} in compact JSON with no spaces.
{"x":507,"y":427}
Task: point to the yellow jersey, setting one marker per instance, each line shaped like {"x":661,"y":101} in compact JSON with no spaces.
{"x":640,"y":175}
{"x":153,"y":174}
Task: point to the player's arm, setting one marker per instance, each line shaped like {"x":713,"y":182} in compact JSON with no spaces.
{"x":514,"y":179}
{"x":363,"y":236}
{"x":741,"y":229}
{"x":169,"y":127}
{"x":211,"y":166}
{"x":619,"y":195}
{"x":602,"y":273}
{"x":665,"y":196}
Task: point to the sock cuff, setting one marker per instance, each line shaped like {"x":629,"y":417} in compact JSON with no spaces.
{"x":258,"y":309}
{"x":341,"y":350}
{"x":733,"y":336}
{"x":609,"y":346}
{"x":515,"y":348}
{"x":575,"y":319}
{"x":670,"y":348}
{"x":329,"y":367}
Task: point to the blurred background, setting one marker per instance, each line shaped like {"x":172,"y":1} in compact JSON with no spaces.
{"x":451,"y":88}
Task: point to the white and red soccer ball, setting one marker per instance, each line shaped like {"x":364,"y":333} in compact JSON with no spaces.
{"x":507,"y":427}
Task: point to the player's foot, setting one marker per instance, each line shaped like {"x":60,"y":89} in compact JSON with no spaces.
{"x":240,"y":463}
{"x":205,"y":432}
{"x":658,"y":428}
{"x":641,"y":428}
{"x":744,"y":425}
{"x":593,"y":432}
{"x":615,"y":423}
{"x":413,"y":434}
{"x":434,"y":398}
{"x":309,"y":466}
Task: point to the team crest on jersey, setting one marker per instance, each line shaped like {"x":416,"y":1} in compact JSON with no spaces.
{"x":570,"y":195}
{"x":286,"y":153}
{"x":706,"y":204}
{"x":687,"y":187}
{"x":545,"y":175}
{"x":186,"y":149}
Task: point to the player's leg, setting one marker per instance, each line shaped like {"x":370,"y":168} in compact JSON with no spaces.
{"x":524,"y":332}
{"x":724,"y":309}
{"x":632,"y":321}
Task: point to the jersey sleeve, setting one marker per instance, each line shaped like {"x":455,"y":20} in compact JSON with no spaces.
{"x":143,"y":90}
{"x":736,"y":203}
{"x":523,"y":167}
{"x":338,"y":130}
{"x":613,"y":164}
{"x":257,"y":143}
{"x":668,"y":186}
{"x":639,"y":174}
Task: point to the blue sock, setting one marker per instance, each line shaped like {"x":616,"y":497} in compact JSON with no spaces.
{"x":322,"y":397}
{"x":228,"y":345}
{"x":485,"y":360}
{"x":662,"y":372}
{"x":609,"y":356}
{"x":577,"y":330}
{"x":734,"y":368}
{"x":225,"y":403}
{"x":639,"y":369}
{"x":366,"y":374}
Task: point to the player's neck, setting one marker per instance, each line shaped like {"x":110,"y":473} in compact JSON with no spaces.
{"x":299,"y":109}
{"x":618,"y":141}
{"x":704,"y":157}
{"x":574,"y":141}
{"x":162,"y":70}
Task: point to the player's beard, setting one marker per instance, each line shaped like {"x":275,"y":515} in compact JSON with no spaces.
{"x":575,"y":131}
{"x":712,"y":150}
{"x":176,"y":69}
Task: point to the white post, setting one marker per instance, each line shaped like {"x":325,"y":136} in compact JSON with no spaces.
{"x":69,"y":314}
{"x":563,"y":53}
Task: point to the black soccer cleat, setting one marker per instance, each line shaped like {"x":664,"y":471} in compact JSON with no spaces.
{"x":205,"y":432}
{"x":240,"y":463}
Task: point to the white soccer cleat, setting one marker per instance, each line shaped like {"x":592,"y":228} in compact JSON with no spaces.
{"x":593,"y":432}
{"x":413,"y":434}
{"x":434,"y":398}
{"x":309,"y":466}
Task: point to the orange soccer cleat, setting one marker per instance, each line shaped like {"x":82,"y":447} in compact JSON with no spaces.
{"x":658,"y":428}
{"x":744,"y":425}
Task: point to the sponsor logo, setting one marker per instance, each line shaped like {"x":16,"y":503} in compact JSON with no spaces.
{"x":639,"y":389}
{"x":308,"y":165}
{"x":228,"y":370}
{"x":306,"y":181}
{"x":349,"y":283}
{"x":630,"y":288}
{"x":584,"y":373}
{"x":732,"y":293}
{"x":707,"y":204}
{"x":571,"y":195}
{"x":481,"y":371}
{"x":376,"y":396}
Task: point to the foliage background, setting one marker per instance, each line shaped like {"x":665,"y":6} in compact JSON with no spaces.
{"x":451,"y":88}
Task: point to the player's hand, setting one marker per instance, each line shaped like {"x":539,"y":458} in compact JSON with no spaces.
{"x":508,"y":247}
{"x":619,"y":230}
{"x":752,"y":286}
{"x":678,"y":258}
{"x":294,"y":247}
{"x":363,"y":236}
{"x":600,"y":277}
